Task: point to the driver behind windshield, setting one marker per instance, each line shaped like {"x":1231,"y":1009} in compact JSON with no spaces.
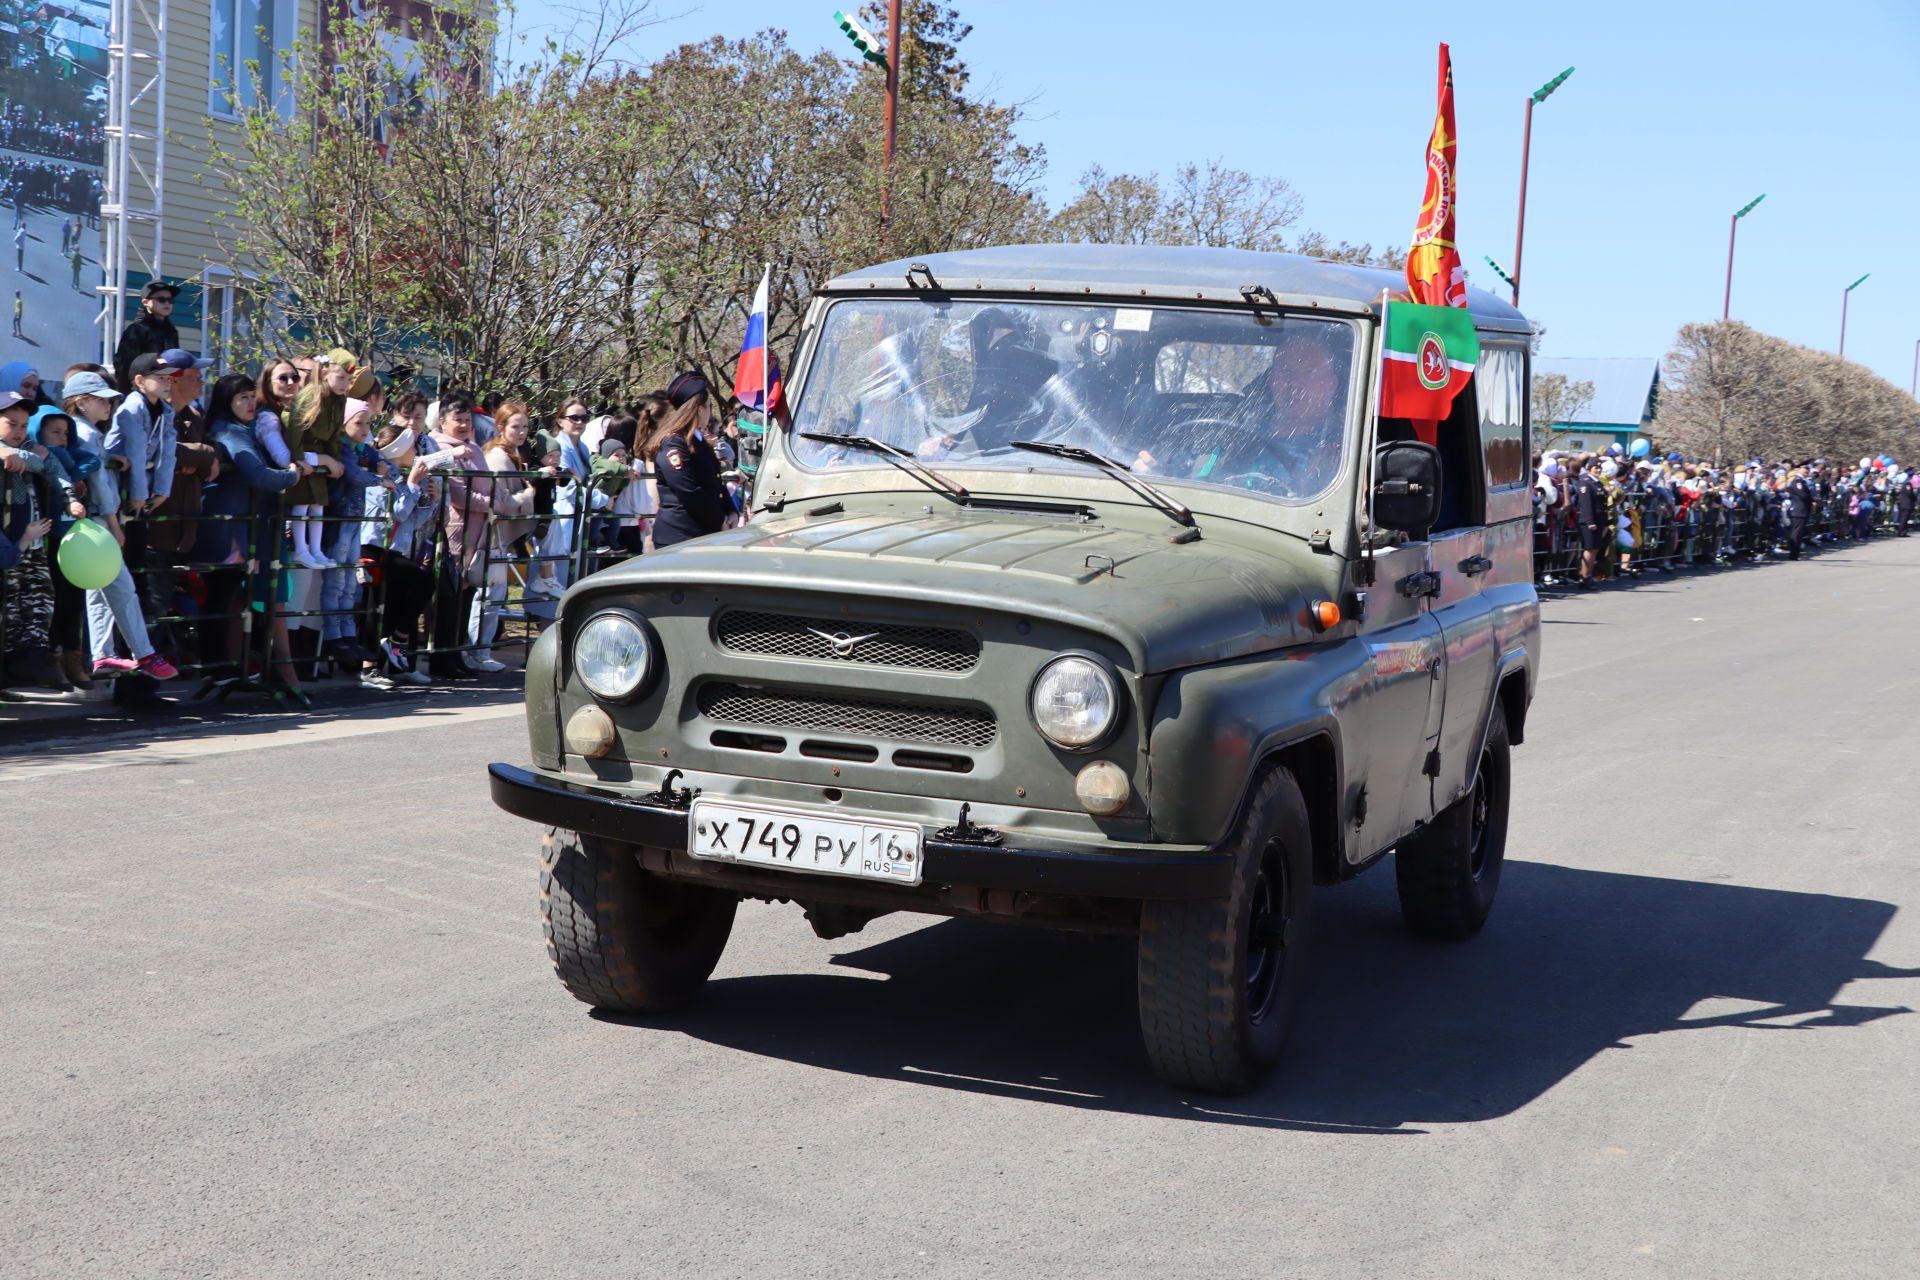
{"x":1286,"y":434}
{"x":1008,"y":372}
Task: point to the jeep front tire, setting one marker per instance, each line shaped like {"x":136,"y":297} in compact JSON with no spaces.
{"x":620,"y":937}
{"x":1220,"y":978}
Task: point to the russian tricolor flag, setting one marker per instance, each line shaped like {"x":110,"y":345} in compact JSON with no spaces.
{"x":756,"y":378}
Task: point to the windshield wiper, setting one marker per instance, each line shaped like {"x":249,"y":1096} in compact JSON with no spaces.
{"x":897,"y":455}
{"x":1119,"y":470}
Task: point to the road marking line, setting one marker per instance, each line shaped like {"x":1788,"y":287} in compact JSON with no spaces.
{"x":180,"y":750}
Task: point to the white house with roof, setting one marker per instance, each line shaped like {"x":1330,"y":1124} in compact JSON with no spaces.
{"x":1626,"y":391}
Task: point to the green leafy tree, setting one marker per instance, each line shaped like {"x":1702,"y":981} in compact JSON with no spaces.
{"x":431,"y":205}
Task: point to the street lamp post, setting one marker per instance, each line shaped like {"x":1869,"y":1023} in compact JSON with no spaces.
{"x":1914,"y":389}
{"x":1526,"y":151}
{"x":1733,"y":227}
{"x":893,"y":107}
{"x":889,"y":61}
{"x":1844,"y":295}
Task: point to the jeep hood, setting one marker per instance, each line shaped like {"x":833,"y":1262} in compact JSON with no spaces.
{"x":1169,"y":604}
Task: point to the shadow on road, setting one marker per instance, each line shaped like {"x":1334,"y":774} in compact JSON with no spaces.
{"x":1395,"y":1032}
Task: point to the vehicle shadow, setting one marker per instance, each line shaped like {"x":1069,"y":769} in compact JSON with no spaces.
{"x":1395,"y":1032}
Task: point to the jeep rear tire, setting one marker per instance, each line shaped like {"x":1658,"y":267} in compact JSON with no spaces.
{"x":1449,"y":872}
{"x":620,"y":937}
{"x":1220,"y":978}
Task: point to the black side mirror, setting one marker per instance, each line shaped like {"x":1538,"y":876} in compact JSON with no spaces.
{"x":1406,"y":487}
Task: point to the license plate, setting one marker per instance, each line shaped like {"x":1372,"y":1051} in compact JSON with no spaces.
{"x":763,"y":836}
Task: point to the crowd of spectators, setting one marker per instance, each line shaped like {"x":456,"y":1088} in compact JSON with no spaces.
{"x":314,"y":519}
{"x":44,"y":182}
{"x":44,"y":133}
{"x":1602,"y":515}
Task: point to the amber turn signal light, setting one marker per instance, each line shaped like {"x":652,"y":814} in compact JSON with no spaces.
{"x":1327,"y":614}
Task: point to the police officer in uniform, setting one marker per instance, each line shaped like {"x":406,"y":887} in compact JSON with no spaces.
{"x":1800,"y":500}
{"x":1589,"y":498}
{"x":693,"y":499}
{"x":1821,"y":483}
{"x":1903,"y":498}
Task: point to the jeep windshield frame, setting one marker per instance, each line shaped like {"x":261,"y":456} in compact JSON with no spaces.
{"x":1248,"y":402}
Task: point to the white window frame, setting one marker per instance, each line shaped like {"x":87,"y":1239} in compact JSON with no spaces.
{"x":282,"y":23}
{"x":216,"y":328}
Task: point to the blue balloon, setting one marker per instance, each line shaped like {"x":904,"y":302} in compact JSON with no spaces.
{"x":1642,"y":447}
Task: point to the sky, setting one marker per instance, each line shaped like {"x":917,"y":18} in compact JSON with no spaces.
{"x":1677,"y":114}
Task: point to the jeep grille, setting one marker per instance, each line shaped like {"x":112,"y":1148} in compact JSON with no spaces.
{"x":831,"y":713}
{"x":879,"y":644}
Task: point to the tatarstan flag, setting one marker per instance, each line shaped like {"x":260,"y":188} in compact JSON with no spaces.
{"x":1426,"y":358}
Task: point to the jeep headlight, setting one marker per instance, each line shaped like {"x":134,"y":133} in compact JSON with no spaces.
{"x":613,"y":655}
{"x":1075,"y":702}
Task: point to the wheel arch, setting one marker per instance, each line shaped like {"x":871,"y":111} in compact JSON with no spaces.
{"x":1514,"y":697}
{"x":1314,"y":762}
{"x":1511,"y":693}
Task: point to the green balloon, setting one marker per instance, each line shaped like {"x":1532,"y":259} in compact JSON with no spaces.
{"x":89,"y":557}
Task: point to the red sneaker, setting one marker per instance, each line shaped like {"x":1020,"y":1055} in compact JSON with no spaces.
{"x":156,"y":666}
{"x":107,"y":668}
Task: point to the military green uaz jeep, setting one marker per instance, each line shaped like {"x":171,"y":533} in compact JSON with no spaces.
{"x":1086,"y":589}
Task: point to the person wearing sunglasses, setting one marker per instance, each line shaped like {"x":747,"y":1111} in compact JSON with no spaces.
{"x":566,"y":448}
{"x":279,"y":382}
{"x":567,"y":438}
{"x":149,"y":333}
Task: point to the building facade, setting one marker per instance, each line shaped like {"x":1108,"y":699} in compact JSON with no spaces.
{"x":1626,"y":393}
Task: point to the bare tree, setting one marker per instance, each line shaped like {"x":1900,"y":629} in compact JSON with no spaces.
{"x":1557,"y":401}
{"x":1210,"y":204}
{"x":1113,"y":209}
{"x":1733,"y":392}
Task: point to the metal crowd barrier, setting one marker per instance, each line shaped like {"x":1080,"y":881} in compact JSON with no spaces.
{"x":1717,"y":526}
{"x":174,"y":591}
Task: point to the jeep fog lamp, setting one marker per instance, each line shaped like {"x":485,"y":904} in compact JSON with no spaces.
{"x":612,"y":656}
{"x":1075,"y":702}
{"x":1102,"y":788}
{"x":589,"y":733}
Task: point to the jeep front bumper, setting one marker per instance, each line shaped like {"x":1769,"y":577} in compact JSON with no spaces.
{"x":1142,"y":873}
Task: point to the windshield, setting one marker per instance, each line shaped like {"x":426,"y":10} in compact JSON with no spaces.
{"x":1232,"y":400}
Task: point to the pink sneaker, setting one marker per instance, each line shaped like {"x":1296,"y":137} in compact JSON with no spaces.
{"x":156,"y":666}
{"x":107,"y":668}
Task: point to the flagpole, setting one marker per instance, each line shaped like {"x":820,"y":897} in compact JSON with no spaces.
{"x":766,"y":352}
{"x":1368,"y":430}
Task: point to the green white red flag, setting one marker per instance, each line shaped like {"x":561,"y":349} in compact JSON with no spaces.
{"x":1428,"y":346}
{"x":1427,"y":356}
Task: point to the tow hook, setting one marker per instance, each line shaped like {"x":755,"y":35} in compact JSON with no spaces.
{"x":964,"y":832}
{"x":669,"y":796}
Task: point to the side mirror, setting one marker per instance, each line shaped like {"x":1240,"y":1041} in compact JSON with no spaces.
{"x":1406,"y":487}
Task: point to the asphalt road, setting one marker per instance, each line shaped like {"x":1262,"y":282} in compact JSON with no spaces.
{"x":277,"y":1005}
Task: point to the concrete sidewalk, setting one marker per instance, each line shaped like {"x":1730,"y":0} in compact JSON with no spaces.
{"x":35,"y":716}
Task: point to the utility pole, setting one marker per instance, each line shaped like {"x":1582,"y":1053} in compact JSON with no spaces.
{"x":1526,"y":151}
{"x":1733,"y":227}
{"x":1844,"y":295}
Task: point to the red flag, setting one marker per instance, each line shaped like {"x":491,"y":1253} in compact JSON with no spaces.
{"x":1434,"y":274}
